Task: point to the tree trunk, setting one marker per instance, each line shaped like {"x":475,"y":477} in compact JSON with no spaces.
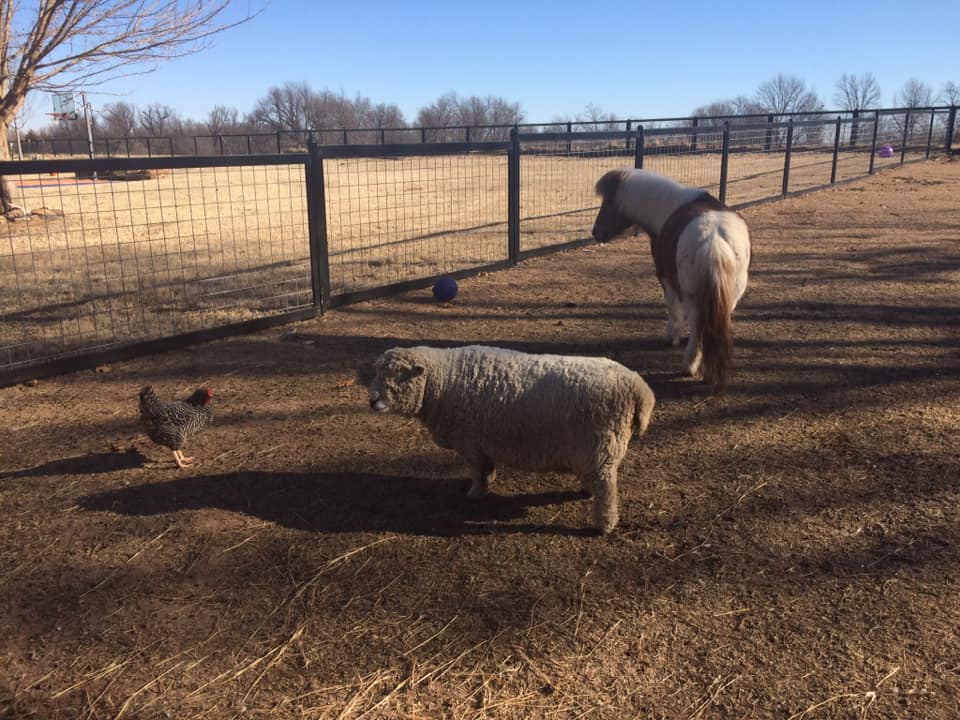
{"x":7,"y":196}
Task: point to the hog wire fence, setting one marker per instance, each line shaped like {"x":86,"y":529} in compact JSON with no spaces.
{"x":105,"y":259}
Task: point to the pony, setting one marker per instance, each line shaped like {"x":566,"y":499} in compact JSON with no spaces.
{"x":701,"y":252}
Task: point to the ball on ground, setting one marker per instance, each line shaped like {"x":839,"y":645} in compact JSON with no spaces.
{"x":886,"y":151}
{"x":445,"y":289}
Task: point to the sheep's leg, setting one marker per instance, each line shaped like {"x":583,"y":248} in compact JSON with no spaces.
{"x":674,"y":314}
{"x":605,"y":511}
{"x":692,"y":356}
{"x":586,"y":485}
{"x":482,"y":476}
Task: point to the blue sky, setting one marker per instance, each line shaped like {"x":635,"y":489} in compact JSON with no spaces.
{"x":632,"y":59}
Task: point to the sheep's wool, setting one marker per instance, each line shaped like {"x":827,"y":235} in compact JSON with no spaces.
{"x":532,"y":412}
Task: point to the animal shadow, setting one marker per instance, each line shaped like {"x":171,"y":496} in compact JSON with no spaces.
{"x":334,"y":502}
{"x":83,"y":465}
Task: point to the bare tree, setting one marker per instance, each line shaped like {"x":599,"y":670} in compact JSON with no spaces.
{"x":222,"y":119}
{"x":594,"y":117}
{"x":857,"y":92}
{"x":449,"y":110}
{"x":158,"y":120}
{"x":743,"y":105}
{"x":949,"y":94}
{"x":119,"y":119}
{"x":788,"y":94}
{"x":285,"y":108}
{"x":914,"y":94}
{"x":53,"y":44}
{"x":442,"y":113}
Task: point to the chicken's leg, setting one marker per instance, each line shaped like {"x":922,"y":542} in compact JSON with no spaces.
{"x":181,"y":460}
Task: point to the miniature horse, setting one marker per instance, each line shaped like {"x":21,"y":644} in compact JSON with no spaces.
{"x":701,"y":252}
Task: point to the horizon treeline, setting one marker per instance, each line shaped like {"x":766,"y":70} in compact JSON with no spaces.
{"x":295,"y":107}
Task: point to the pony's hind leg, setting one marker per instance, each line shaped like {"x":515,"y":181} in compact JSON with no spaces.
{"x":675,"y":315}
{"x":692,"y":356}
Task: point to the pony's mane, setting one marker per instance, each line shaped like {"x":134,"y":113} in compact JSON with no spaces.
{"x":608,"y":186}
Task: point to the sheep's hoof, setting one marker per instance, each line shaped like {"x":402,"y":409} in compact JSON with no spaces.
{"x":605,"y":526}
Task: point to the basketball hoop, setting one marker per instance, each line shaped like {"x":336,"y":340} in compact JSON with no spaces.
{"x":64,"y":107}
{"x":62,"y":116}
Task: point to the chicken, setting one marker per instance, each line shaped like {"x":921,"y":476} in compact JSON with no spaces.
{"x":170,"y":423}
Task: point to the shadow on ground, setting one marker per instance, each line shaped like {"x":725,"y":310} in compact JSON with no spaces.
{"x":336,"y":502}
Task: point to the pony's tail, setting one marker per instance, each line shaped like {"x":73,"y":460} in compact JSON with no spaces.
{"x":715,"y":301}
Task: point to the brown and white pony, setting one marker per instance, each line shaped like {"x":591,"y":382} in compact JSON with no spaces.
{"x":701,"y":252}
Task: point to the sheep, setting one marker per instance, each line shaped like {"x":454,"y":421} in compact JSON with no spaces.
{"x":530,"y":412}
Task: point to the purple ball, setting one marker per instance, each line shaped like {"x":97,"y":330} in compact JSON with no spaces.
{"x":445,"y":289}
{"x":886,"y":151}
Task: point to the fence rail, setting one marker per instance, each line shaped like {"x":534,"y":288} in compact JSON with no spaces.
{"x":279,"y":142}
{"x":123,"y":256}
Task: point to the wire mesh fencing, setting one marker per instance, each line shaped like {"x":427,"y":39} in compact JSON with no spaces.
{"x":558,"y":173}
{"x":112,"y":258}
{"x":396,"y":219}
{"x":110,"y":255}
{"x":692,"y":156}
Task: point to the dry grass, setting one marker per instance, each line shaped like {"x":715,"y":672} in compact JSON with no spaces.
{"x":787,"y":551}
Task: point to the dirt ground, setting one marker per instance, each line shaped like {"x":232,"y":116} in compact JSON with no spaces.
{"x":790,"y":550}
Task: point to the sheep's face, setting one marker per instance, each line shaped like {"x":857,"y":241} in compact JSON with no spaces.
{"x":399,"y":383}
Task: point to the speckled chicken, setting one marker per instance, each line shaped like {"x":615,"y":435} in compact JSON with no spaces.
{"x":170,"y":423}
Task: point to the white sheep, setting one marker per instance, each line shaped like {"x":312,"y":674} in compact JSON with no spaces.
{"x":530,"y":412}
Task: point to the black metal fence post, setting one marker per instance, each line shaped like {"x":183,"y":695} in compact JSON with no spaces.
{"x":855,"y":129}
{"x":906,"y":136}
{"x":317,"y":223}
{"x":693,"y":138}
{"x":626,"y":145}
{"x":836,"y":153}
{"x":873,"y":140}
{"x":724,"y":161}
{"x":786,"y":159}
{"x":638,"y":150}
{"x":951,"y":123}
{"x":513,"y":197}
{"x":933,"y":114}
{"x":569,"y":135}
{"x":768,"y":140}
